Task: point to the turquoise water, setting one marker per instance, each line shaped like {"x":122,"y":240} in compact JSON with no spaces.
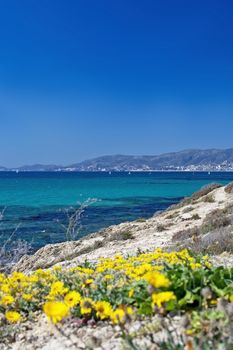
{"x":37,"y":201}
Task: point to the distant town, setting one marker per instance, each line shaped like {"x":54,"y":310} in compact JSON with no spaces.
{"x":203,"y":167}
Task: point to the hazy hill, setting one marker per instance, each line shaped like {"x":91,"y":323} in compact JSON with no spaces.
{"x":211,"y":157}
{"x":193,"y":159}
{"x":39,"y":167}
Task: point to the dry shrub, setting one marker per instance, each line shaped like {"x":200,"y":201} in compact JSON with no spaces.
{"x":216,"y":219}
{"x":186,"y":234}
{"x":195,"y":217}
{"x":141,"y":220}
{"x":196,"y":196}
{"x":208,"y":199}
{"x":214,"y":236}
{"x":229,"y":188}
{"x":219,"y":241}
{"x":161,"y":228}
{"x":9,"y":256}
{"x":120,"y":236}
{"x":172,"y":216}
{"x":204,"y":191}
{"x":213,"y":243}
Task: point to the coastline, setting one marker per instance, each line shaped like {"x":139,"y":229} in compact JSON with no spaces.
{"x":131,"y":237}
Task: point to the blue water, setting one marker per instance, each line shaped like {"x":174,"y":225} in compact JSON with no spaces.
{"x":37,"y":201}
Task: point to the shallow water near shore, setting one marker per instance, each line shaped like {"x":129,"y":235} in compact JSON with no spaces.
{"x":37,"y":201}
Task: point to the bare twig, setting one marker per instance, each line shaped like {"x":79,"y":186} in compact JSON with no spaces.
{"x":74,"y":218}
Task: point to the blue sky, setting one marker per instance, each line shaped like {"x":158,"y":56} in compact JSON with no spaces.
{"x":83,"y":78}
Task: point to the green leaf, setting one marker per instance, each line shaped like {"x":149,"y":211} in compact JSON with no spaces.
{"x":189,"y":298}
{"x":145,"y":308}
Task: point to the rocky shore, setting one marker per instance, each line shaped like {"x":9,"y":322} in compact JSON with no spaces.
{"x":139,"y":235}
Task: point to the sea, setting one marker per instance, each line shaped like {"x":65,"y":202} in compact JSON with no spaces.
{"x":38,"y":206}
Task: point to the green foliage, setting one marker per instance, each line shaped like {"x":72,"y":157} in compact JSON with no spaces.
{"x":149,"y":284}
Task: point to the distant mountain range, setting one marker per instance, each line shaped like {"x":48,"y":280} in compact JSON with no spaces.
{"x":187,"y":160}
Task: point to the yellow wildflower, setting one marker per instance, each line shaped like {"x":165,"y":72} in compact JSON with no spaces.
{"x":157,"y":279}
{"x":163,"y":297}
{"x":2,"y":277}
{"x":7,"y":300}
{"x":18,"y":277}
{"x":27,"y":297}
{"x":34,"y":278}
{"x":55,"y":310}
{"x":118,"y":316}
{"x":86,"y":306}
{"x":208,"y":264}
{"x":13,"y":316}
{"x":72,"y":298}
{"x":121,"y":314}
{"x":88,"y":281}
{"x":57,"y":288}
{"x":44,"y":274}
{"x":57,"y":268}
{"x":118,"y":257}
{"x":5,"y":288}
{"x":195,"y":266}
{"x":103,"y":309}
{"x":108,"y":277}
{"x":131,"y":293}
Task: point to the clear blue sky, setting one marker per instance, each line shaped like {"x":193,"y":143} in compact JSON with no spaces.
{"x":83,"y":78}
